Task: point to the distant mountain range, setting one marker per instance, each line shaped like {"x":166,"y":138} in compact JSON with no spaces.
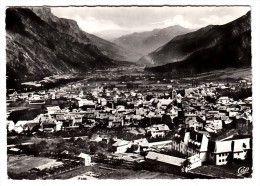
{"x":209,"y":48}
{"x":146,"y":42}
{"x":41,"y":44}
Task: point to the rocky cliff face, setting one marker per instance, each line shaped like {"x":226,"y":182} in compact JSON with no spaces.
{"x":211,"y":47}
{"x":40,"y":44}
{"x":71,"y":28}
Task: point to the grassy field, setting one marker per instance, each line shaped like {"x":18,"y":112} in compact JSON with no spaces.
{"x":22,"y":163}
{"x":229,"y":73}
{"x":117,"y":173}
{"x":131,"y":174}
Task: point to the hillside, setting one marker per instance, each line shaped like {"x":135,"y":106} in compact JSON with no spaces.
{"x":145,"y":42}
{"x":39,"y":44}
{"x":209,"y":48}
{"x":71,"y":27}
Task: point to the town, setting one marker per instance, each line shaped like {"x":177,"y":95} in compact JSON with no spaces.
{"x":117,"y":126}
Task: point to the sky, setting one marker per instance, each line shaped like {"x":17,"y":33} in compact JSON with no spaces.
{"x":112,"y":22}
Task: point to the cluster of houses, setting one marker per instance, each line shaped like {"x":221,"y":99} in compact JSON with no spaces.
{"x":198,"y":124}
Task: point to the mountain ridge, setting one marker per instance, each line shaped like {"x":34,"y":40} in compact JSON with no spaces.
{"x":209,"y":48}
{"x":71,"y":27}
{"x":147,"y":41}
{"x":36,"y":49}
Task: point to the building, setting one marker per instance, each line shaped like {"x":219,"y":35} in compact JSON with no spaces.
{"x":223,"y":151}
{"x":158,"y":130}
{"x":224,"y":100}
{"x":141,"y":144}
{"x":213,"y":125}
{"x":86,"y":158}
{"x":243,"y":121}
{"x":86,"y":103}
{"x":198,"y":144}
{"x":164,"y":162}
{"x":53,"y":109}
{"x":180,"y":141}
{"x":115,"y":121}
{"x":121,"y":146}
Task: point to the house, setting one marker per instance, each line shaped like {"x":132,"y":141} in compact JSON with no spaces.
{"x":158,"y":130}
{"x":102,"y":101}
{"x":198,"y":144}
{"x":224,"y":100}
{"x":21,"y":126}
{"x":243,"y":121}
{"x":139,"y":111}
{"x":86,"y":103}
{"x":223,"y":151}
{"x":194,"y":162}
{"x":193,"y":124}
{"x":51,"y":125}
{"x":174,"y":111}
{"x":136,"y":119}
{"x":60,"y":94}
{"x":86,"y":158}
{"x":61,"y":117}
{"x":99,"y":138}
{"x":164,"y":102}
{"x":87,"y":116}
{"x":120,"y":108}
{"x":213,"y":125}
{"x":212,"y":114}
{"x":161,"y":144}
{"x":24,"y":96}
{"x":35,"y":97}
{"x":180,"y":141}
{"x":53,"y":109}
{"x":141,"y":144}
{"x":51,"y":93}
{"x":14,"y":150}
{"x":164,"y":162}
{"x":9,"y":125}
{"x":127,"y":120}
{"x":226,"y":121}
{"x":248,"y":100}
{"x":241,"y":148}
{"x":121,"y":146}
{"x":189,"y":91}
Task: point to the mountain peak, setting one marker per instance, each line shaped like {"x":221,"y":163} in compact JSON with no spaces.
{"x":39,"y":44}
{"x":211,"y":47}
{"x":145,"y":42}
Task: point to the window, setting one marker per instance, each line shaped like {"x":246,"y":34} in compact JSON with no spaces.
{"x":219,"y":160}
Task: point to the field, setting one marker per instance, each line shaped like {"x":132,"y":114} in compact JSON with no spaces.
{"x":143,"y":174}
{"x":226,"y":74}
{"x":21,"y":163}
{"x":116,"y":173}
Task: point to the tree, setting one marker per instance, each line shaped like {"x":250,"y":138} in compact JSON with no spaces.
{"x":93,"y":148}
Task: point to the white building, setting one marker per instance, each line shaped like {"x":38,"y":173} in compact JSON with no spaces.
{"x":228,"y":149}
{"x":86,"y":157}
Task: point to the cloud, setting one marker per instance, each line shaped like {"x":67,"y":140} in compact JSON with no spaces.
{"x":216,"y":20}
{"x":92,"y":25}
{"x":139,"y":19}
{"x":176,"y":20}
